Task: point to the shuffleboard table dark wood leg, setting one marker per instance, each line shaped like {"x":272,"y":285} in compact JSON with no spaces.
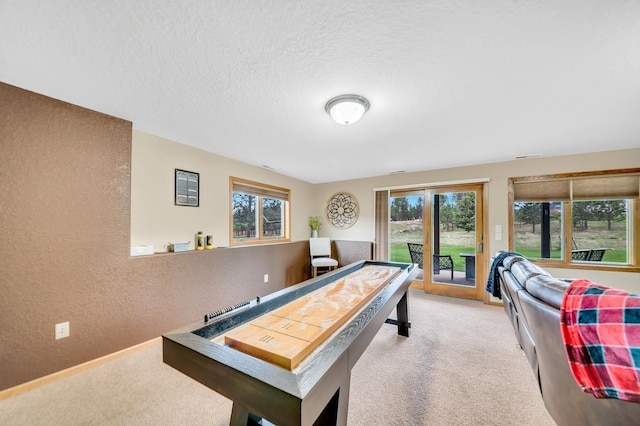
{"x":402,"y":309}
{"x":337,"y":410}
{"x":402,"y":312}
{"x":239,"y":415}
{"x":343,"y":401}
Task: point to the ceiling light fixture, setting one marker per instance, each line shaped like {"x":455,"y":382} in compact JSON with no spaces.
{"x":347,"y":109}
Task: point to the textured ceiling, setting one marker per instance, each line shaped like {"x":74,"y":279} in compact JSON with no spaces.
{"x":451,"y":82}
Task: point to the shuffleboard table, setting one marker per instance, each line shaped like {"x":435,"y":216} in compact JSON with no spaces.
{"x":286,"y":358}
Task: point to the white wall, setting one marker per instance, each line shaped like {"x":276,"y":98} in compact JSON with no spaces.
{"x":156,"y":220}
{"x":498,"y":208}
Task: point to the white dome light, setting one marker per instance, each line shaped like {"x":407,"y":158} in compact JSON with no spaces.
{"x":347,"y":109}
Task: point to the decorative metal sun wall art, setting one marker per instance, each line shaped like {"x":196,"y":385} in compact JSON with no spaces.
{"x":342,"y":210}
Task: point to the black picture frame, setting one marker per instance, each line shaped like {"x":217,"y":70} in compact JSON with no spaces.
{"x":187,"y":188}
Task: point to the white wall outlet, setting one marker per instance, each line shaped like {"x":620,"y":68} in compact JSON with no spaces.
{"x":62,"y":330}
{"x":266,"y":278}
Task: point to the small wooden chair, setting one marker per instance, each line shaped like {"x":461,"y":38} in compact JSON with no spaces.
{"x":320,"y":251}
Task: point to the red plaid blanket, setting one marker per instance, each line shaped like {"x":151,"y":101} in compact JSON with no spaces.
{"x":600,"y":327}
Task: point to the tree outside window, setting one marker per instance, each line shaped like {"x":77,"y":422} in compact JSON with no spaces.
{"x":259,"y":212}
{"x":578,"y":218}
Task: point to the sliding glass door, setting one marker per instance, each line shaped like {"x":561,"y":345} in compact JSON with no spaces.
{"x":406,"y":230}
{"x":455,"y":239}
{"x":441,"y":230}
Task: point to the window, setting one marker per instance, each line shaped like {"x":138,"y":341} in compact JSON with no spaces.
{"x":259,"y":212}
{"x":588,"y":219}
{"x":530,"y":224}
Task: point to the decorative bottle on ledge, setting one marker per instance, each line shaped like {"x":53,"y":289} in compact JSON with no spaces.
{"x":200,"y":241}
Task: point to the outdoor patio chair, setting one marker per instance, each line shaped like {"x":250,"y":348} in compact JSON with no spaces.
{"x":416,"y":253}
{"x":580,"y":254}
{"x":596,"y":255}
{"x":442,"y":261}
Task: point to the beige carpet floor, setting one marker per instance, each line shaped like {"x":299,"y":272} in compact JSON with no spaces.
{"x":461,"y":366}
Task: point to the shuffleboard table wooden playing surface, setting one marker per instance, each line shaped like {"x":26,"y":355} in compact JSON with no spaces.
{"x":287,"y":357}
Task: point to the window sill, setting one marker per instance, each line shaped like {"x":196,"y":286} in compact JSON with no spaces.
{"x":259,"y":242}
{"x":592,"y":266}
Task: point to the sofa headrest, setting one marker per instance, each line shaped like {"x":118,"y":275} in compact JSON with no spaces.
{"x":510,"y":260}
{"x":547,"y":288}
{"x":524,"y":270}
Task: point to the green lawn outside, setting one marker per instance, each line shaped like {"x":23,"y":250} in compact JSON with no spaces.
{"x":400,"y":253}
{"x":456,"y":242}
{"x":597,"y":234}
{"x":619,"y":256}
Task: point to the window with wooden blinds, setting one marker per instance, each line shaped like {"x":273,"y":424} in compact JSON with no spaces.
{"x":589,"y":187}
{"x":585,"y":219}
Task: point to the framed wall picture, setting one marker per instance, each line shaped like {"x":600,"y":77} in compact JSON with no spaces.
{"x":187,"y":188}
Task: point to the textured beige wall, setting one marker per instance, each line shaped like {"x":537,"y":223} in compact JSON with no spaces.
{"x":156,"y":220}
{"x":64,"y":232}
{"x":65,"y":225}
{"x":498,"y":208}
